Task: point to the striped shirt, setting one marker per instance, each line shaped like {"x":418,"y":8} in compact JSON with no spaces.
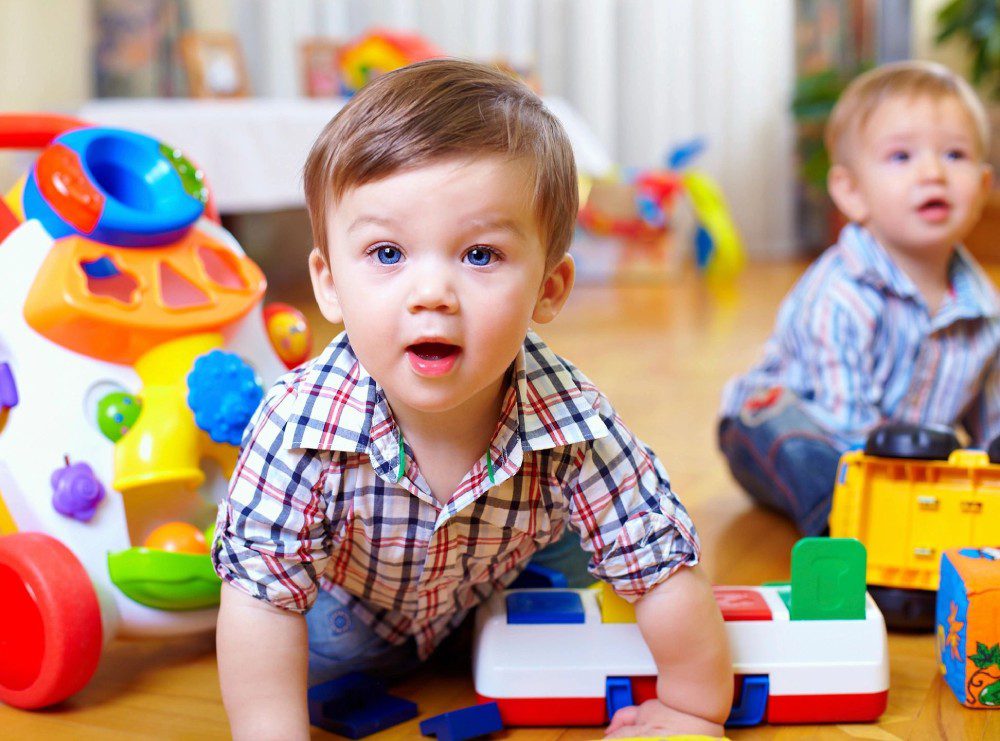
{"x":855,"y":338}
{"x":316,"y":499}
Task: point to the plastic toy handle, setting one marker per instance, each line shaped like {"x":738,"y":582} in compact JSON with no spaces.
{"x":34,"y":130}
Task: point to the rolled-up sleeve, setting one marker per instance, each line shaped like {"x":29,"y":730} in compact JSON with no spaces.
{"x":271,"y":533}
{"x":627,"y":515}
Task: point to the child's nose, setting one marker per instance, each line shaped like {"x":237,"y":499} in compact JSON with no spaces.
{"x":931,"y":167}
{"x":432,"y":290}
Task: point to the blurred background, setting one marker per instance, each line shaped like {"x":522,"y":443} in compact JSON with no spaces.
{"x":738,"y":90}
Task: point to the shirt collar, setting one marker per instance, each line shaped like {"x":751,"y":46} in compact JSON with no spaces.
{"x":339,"y":406}
{"x":972,"y":292}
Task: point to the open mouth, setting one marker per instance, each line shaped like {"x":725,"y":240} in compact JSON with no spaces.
{"x":432,"y":358}
{"x":934,"y":209}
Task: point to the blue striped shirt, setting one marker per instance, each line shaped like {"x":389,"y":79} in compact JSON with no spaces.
{"x":855,"y":337}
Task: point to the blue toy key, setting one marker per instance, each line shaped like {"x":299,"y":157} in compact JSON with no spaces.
{"x":459,"y":725}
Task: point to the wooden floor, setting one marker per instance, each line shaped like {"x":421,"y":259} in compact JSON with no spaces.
{"x":662,"y":354}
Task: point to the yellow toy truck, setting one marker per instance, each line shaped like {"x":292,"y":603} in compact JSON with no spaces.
{"x":911,"y":494}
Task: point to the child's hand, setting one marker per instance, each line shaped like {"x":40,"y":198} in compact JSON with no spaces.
{"x":653,"y":718}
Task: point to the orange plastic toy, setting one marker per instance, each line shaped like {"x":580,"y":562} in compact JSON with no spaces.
{"x":177,"y":537}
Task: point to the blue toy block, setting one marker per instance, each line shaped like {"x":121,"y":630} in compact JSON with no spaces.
{"x":539,"y":577}
{"x":551,"y":606}
{"x":355,"y":706}
{"x":749,"y":708}
{"x":459,"y":725}
{"x":617,"y":694}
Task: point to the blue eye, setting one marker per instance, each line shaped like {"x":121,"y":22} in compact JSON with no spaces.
{"x":389,"y":255}
{"x":899,"y":156}
{"x":480,"y":256}
{"x":955,"y":154}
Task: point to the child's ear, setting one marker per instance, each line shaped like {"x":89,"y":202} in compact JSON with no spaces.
{"x":324,"y":288}
{"x":988,"y":176}
{"x":845,"y":193}
{"x":554,"y":291}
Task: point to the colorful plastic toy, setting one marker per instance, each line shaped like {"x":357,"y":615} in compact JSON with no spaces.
{"x":289,"y":333}
{"x":968,"y":614}
{"x":355,"y":706}
{"x":814,"y":651}
{"x":641,"y":207}
{"x":911,"y":494}
{"x":133,"y":351}
{"x":380,"y":51}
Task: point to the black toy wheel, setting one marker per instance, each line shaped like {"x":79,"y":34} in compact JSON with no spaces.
{"x":994,"y":450}
{"x":920,"y":442}
{"x":909,"y":610}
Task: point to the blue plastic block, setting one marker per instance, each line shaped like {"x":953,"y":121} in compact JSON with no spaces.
{"x":617,"y":694}
{"x":749,"y":709}
{"x":458,"y":725}
{"x":545,"y":606}
{"x":539,"y":577}
{"x":355,"y":706}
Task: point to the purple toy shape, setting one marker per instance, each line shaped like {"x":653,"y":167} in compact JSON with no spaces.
{"x":8,"y":389}
{"x":76,"y":491}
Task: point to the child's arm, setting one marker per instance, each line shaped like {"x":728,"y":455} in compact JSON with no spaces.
{"x":683,"y":628}
{"x":263,"y":661}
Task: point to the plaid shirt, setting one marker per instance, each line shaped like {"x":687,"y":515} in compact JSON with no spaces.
{"x":315,"y":500}
{"x":855,"y":337}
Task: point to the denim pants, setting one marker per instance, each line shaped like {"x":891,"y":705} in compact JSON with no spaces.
{"x":784,"y":459}
{"x":340,"y":642}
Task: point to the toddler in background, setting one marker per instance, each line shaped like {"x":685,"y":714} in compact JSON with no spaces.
{"x":896,"y":322}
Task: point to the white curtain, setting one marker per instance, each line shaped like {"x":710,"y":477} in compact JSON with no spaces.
{"x":644,"y":74}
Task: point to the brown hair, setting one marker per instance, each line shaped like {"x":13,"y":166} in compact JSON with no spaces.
{"x":441,"y":108}
{"x":911,"y":79}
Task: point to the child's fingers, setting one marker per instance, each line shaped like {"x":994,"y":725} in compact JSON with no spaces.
{"x":626,"y":716}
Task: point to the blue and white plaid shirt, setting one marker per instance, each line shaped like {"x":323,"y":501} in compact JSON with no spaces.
{"x":855,"y":337}
{"x":316,"y":499}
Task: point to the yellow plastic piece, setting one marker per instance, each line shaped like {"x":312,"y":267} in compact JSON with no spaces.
{"x":710,"y":207}
{"x":15,"y":196}
{"x":907,"y":512}
{"x":165,"y":446}
{"x":614,"y":609}
{"x":7,"y":525}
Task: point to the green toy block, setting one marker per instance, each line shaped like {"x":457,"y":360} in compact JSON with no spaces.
{"x":828,"y":579}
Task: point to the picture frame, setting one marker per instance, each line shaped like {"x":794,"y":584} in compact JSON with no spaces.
{"x":214,"y":65}
{"x":321,"y":75}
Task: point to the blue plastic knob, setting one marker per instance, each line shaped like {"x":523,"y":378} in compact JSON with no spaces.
{"x":223,"y":392}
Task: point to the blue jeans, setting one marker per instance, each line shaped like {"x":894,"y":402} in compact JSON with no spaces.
{"x":340,"y":642}
{"x":566,"y":556}
{"x":784,"y":459}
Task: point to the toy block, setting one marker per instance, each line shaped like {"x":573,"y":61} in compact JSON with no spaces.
{"x":544,"y":606}
{"x":459,"y":725}
{"x":828,"y":579}
{"x":539,"y":577}
{"x":614,"y":609}
{"x":968,"y":625}
{"x":355,"y":706}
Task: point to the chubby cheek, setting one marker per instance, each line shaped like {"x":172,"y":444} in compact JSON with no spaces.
{"x":500,"y":325}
